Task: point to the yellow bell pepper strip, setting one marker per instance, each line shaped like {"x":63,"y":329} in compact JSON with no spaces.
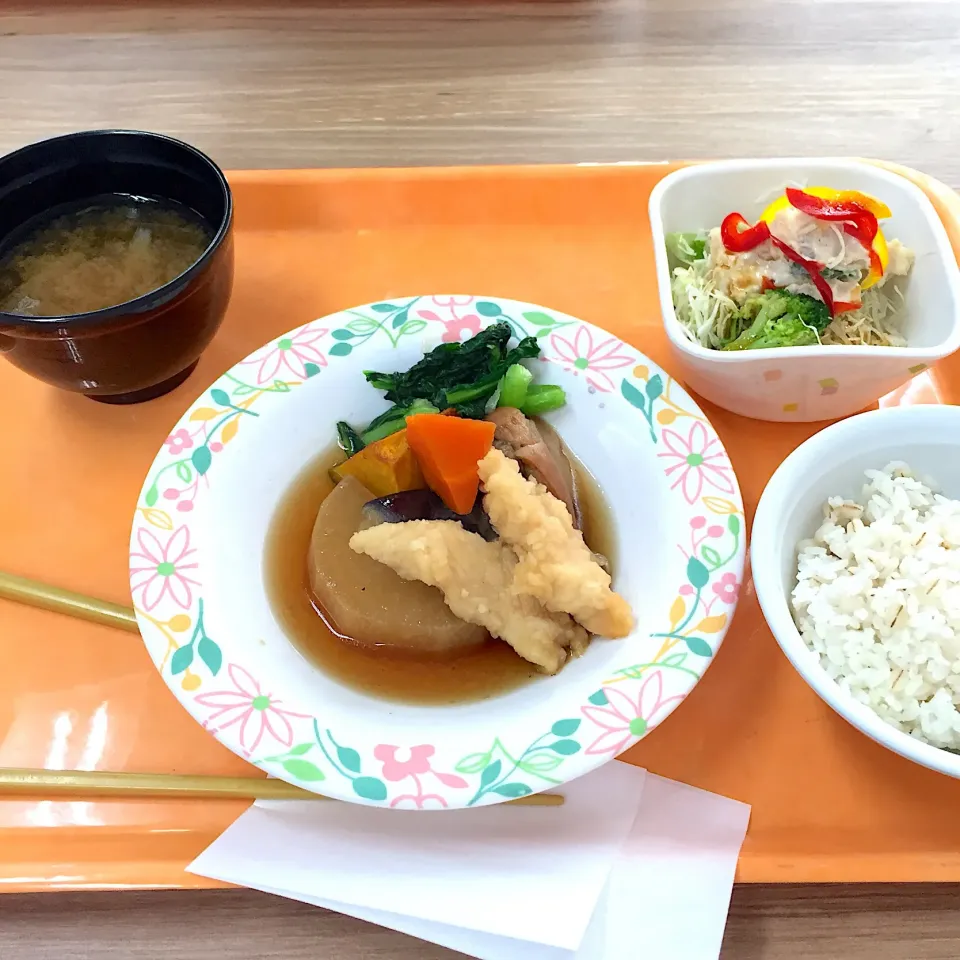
{"x":739,"y":237}
{"x":879,"y":258}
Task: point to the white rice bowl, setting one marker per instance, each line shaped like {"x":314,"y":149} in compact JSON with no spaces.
{"x":862,"y":685}
{"x":877,"y":598}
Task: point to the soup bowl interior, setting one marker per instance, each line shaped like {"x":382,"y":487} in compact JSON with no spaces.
{"x":832,"y":463}
{"x":145,"y":346}
{"x":206,"y":510}
{"x":809,"y":383}
{"x":76,"y":167}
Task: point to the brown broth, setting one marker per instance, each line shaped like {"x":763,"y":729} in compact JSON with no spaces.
{"x":98,"y":254}
{"x":487,"y":671}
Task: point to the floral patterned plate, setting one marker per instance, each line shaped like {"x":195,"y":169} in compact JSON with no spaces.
{"x":203,"y":513}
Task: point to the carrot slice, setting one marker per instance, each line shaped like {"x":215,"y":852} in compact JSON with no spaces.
{"x":448,"y":450}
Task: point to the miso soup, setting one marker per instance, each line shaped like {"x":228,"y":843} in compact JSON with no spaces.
{"x":97,"y":254}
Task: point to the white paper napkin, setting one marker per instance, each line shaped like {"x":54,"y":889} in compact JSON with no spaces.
{"x":591,"y":880}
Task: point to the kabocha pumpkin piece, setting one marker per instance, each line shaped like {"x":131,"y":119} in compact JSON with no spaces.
{"x":384,"y":467}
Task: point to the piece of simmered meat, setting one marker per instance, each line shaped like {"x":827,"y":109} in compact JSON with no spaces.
{"x":539,"y":453}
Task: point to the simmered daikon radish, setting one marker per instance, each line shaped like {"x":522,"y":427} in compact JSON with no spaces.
{"x":366,"y":601}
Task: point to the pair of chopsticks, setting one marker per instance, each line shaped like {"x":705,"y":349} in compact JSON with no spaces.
{"x":73,"y":785}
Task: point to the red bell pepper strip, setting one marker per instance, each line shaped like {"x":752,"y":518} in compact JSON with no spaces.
{"x":739,"y":237}
{"x":812,"y":268}
{"x":857,"y":221}
{"x":845,"y":306}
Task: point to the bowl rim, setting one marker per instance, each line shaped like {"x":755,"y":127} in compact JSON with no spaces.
{"x":679,"y":339}
{"x":152,"y":299}
{"x":774,"y":601}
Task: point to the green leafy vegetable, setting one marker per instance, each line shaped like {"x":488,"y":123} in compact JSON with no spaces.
{"x":473,"y":409}
{"x":685,"y":248}
{"x":466,"y":393}
{"x":457,"y":374}
{"x":542,"y":399}
{"x":394,"y":419}
{"x":470,"y":378}
{"x":513,"y":386}
{"x":778,"y":318}
{"x":348,"y":439}
{"x":445,"y":368}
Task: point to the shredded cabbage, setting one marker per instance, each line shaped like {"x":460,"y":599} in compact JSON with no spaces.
{"x":712,"y":319}
{"x":876,"y":324}
{"x":708,"y":316}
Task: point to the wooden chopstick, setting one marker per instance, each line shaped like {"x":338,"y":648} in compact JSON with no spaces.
{"x":37,"y":594}
{"x":75,"y":785}
{"x":79,"y":784}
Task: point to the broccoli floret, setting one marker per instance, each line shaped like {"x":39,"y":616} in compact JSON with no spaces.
{"x":778,"y":318}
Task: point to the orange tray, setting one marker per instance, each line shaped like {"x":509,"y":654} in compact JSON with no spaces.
{"x":828,"y":804}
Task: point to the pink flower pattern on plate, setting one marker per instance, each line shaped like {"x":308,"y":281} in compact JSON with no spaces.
{"x":415,"y":765}
{"x":624,"y":717}
{"x":593,"y":360}
{"x":160,"y":569}
{"x":394,"y":769}
{"x":257,"y":713}
{"x":458,"y":327}
{"x":289,"y":355}
{"x":458,"y":301}
{"x":697,"y":460}
{"x":727,"y":588}
{"x":179,"y":440}
{"x":461,"y":328}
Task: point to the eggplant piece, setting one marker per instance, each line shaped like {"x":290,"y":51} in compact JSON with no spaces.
{"x":424,"y":505}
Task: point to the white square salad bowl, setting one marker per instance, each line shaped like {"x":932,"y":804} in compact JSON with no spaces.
{"x":805,"y":384}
